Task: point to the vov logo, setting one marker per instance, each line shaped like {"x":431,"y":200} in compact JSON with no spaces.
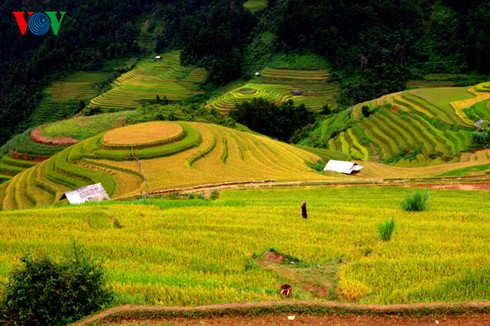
{"x":39,"y":23}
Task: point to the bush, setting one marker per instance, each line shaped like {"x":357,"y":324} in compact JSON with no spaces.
{"x":386,"y":229}
{"x":416,"y":202}
{"x":44,"y":292}
{"x":214,"y":194}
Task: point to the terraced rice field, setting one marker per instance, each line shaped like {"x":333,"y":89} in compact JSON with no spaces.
{"x":10,"y":167}
{"x":277,"y":86}
{"x":150,"y":79}
{"x":413,"y":128}
{"x":199,"y":252}
{"x":189,"y":154}
{"x":63,"y":97}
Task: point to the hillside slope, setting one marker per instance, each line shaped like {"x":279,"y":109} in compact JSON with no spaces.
{"x":411,"y":128}
{"x":196,"y":154}
{"x":151,"y":78}
{"x":277,"y":85}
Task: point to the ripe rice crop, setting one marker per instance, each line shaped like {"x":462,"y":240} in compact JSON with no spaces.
{"x":143,"y":134}
{"x":198,"y":252}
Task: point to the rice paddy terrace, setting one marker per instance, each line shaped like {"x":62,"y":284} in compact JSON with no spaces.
{"x":62,"y":98}
{"x":277,"y":85}
{"x":171,"y":154}
{"x":38,"y":144}
{"x":149,"y":79}
{"x":412,"y":128}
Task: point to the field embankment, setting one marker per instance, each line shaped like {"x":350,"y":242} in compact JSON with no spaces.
{"x":304,"y":313}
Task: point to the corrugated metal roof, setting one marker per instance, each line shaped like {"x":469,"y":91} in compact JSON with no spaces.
{"x":342,"y":166}
{"x":95,"y":192}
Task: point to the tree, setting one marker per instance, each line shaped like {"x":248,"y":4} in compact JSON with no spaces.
{"x":267,"y":118}
{"x":365,"y":111}
{"x":44,"y":292}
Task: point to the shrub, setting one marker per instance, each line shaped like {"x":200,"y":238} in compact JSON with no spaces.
{"x":386,"y":229}
{"x":214,"y":194}
{"x":416,"y":202}
{"x":44,"y":292}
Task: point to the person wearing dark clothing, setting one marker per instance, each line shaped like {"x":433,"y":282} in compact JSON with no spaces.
{"x":303,"y":210}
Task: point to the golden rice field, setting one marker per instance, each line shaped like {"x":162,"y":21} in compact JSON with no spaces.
{"x":277,"y":85}
{"x":149,"y":79}
{"x":151,"y":133}
{"x":199,"y":154}
{"x":198,"y":252}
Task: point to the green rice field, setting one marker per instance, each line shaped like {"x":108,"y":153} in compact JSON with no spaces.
{"x":151,"y":78}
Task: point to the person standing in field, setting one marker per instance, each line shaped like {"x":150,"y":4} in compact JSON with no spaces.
{"x":303,"y":210}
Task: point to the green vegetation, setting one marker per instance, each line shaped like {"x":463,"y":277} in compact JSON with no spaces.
{"x":467,"y":171}
{"x":277,"y":85}
{"x":85,"y":127}
{"x":413,"y":128}
{"x":198,"y":252}
{"x":23,"y":145}
{"x":149,"y":80}
{"x":416,"y":202}
{"x":296,"y":61}
{"x":280,"y":122}
{"x":67,"y":96}
{"x":255,"y":5}
{"x":479,"y":111}
{"x":44,"y":292}
{"x":386,"y":229}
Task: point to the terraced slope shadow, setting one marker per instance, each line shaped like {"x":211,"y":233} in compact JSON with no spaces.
{"x":308,"y":279}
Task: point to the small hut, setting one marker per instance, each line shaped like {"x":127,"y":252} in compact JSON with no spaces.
{"x":478,"y":124}
{"x":258,"y":74}
{"x":296,"y":92}
{"x":342,"y":167}
{"x":158,"y":58}
{"x":95,"y":192}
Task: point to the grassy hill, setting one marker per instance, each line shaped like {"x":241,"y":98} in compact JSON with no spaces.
{"x":198,"y":154}
{"x":149,"y":79}
{"x":198,"y":252}
{"x":412,"y":128}
{"x":277,"y":85}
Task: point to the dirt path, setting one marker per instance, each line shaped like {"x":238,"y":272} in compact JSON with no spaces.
{"x":459,"y":183}
{"x":304,"y":312}
{"x":338,"y":320}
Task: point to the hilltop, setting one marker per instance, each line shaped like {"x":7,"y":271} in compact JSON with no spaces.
{"x":194,"y":154}
{"x":407,"y":129}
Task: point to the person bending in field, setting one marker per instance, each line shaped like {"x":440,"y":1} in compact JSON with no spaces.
{"x":303,"y":210}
